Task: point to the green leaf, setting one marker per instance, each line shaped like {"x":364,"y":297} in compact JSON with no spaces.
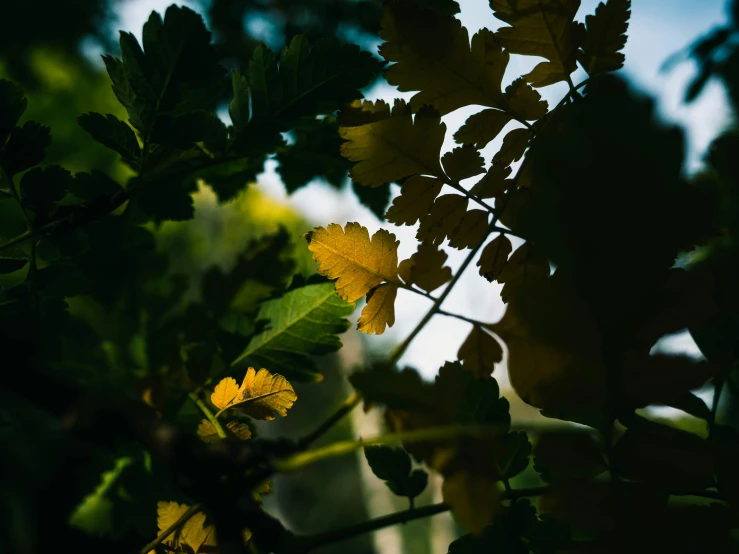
{"x":12,"y":105}
{"x":113,"y":133}
{"x":9,"y":265}
{"x":605,"y":37}
{"x":314,"y":155}
{"x":392,"y":464}
{"x":238,"y":109}
{"x":176,"y":72}
{"x":301,"y":323}
{"x":308,"y":81}
{"x":26,"y":147}
{"x":41,"y":188}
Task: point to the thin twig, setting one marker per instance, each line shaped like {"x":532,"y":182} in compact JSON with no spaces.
{"x":347,"y":406}
{"x":211,"y":417}
{"x":191,"y":511}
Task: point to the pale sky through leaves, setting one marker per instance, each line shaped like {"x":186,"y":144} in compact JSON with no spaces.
{"x":657,"y":29}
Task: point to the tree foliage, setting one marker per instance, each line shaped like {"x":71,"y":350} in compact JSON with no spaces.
{"x":584,"y":215}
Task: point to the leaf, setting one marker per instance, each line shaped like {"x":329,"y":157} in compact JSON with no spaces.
{"x":300,"y":324}
{"x":494,"y":257}
{"x":239,"y":107}
{"x":415,"y":200}
{"x":393,"y":465}
{"x":445,"y":215}
{"x":224,"y":393}
{"x":474,"y":499}
{"x":208,"y":434}
{"x":395,"y":147}
{"x":525,"y":267}
{"x":379,"y":311}
{"x":426,"y":268}
{"x":42,"y":188}
{"x":664,"y":456}
{"x":462,"y":163}
{"x":568,"y":456}
{"x":471,"y":231}
{"x":505,"y":535}
{"x":525,"y":101}
{"x":514,"y":145}
{"x":435,"y":57}
{"x":9,"y":265}
{"x":192,"y":536}
{"x":13,"y":104}
{"x":357,"y":263}
{"x":554,"y":348}
{"x":605,"y":37}
{"x":262,"y":395}
{"x":542,"y":28}
{"x":113,"y":133}
{"x":308,"y":81}
{"x":482,"y":127}
{"x":26,"y":147}
{"x":176,"y":72}
{"x":495,"y":183}
{"x":479,"y":353}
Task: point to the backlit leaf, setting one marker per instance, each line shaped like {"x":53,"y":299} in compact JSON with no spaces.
{"x":463,"y":162}
{"x":208,"y":433}
{"x":393,"y":465}
{"x":395,"y":147}
{"x":524,"y":268}
{"x":542,"y":28}
{"x":194,"y":536}
{"x":482,"y":127}
{"x":357,"y":263}
{"x":494,"y":184}
{"x":479,"y":353}
{"x":262,"y":395}
{"x":415,"y":200}
{"x":525,"y":101}
{"x":435,"y":57}
{"x":379,"y":312}
{"x":224,"y":392}
{"x":605,"y":37}
{"x":426,"y":268}
{"x":514,"y":145}
{"x":300,"y":324}
{"x":446,"y":213}
{"x":474,"y":499}
{"x":494,"y":257}
{"x":471,"y":231}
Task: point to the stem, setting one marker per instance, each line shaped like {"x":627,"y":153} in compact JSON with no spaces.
{"x":347,"y":406}
{"x":462,"y":318}
{"x":191,"y":511}
{"x":298,"y":461}
{"x":213,"y":419}
{"x":468,"y":194}
{"x":718,"y":387}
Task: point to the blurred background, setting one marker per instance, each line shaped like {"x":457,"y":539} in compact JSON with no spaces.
{"x":58,"y":62}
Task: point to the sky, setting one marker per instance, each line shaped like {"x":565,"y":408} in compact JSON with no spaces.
{"x":658,"y":28}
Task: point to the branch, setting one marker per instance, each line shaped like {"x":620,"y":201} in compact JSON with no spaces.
{"x":191,"y":511}
{"x":347,"y":406}
{"x":212,"y":418}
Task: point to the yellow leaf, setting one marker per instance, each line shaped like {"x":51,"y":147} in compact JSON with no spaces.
{"x":514,"y":145}
{"x":479,"y":353}
{"x":379,"y":310}
{"x":474,"y":499}
{"x":224,"y":393}
{"x":426,"y":268}
{"x":494,"y":257}
{"x":605,"y":36}
{"x":357,"y":263}
{"x":208,"y":433}
{"x":525,"y":101}
{"x":262,"y":395}
{"x":482,"y":127}
{"x":395,"y":147}
{"x":446,"y":213}
{"x":192,"y":536}
{"x":463,"y":162}
{"x":542,"y":28}
{"x":495,"y":182}
{"x":435,"y":57}
{"x":471,"y":231}
{"x":554,"y":348}
{"x":362,"y":112}
{"x":415,"y":200}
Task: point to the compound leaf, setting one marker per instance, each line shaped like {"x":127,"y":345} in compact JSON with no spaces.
{"x":415,"y":200}
{"x":605,"y":37}
{"x":443,"y":218}
{"x":194,"y":536}
{"x":494,"y":257}
{"x":261,"y":395}
{"x":479,"y":353}
{"x":379,"y":312}
{"x":110,"y":131}
{"x":463,"y":162}
{"x":426,"y":268}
